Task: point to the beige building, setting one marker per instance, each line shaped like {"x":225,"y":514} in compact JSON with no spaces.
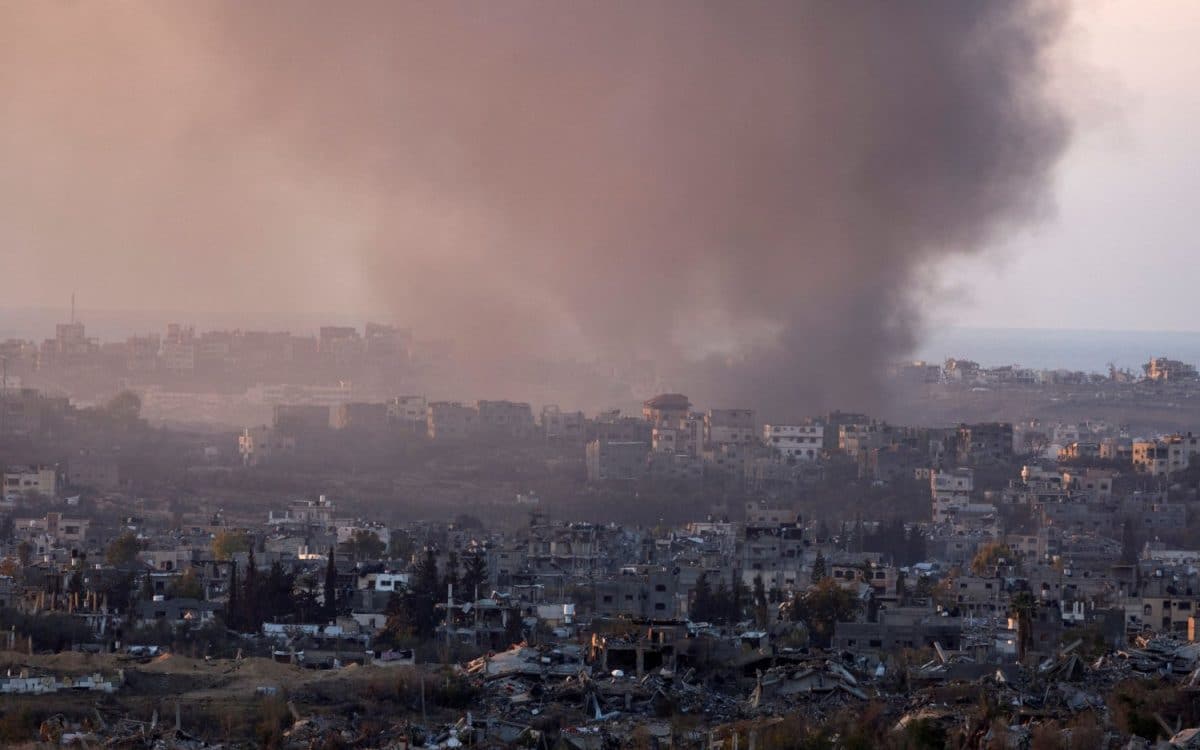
{"x":1165,"y":455}
{"x":62,"y":530}
{"x":19,"y":480}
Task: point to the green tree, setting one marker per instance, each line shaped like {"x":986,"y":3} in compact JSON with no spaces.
{"x":400,"y":546}
{"x":1024,"y":606}
{"x":1129,"y":543}
{"x":251,"y":593}
{"x":276,"y":593}
{"x":125,"y":408}
{"x":451,"y":581}
{"x":702,"y":600}
{"x":423,"y":596}
{"x":818,"y":570}
{"x":737,"y":598}
{"x":822,"y":607}
{"x":75,"y":582}
{"x":331,"y":578}
{"x":721,"y":602}
{"x":989,"y":556}
{"x":475,"y":574}
{"x":123,"y":550}
{"x":233,"y":609}
{"x":187,"y":586}
{"x":226,"y":544}
{"x":760,"y":603}
{"x":364,"y":545}
{"x":146,"y":592}
{"x":397,"y":628}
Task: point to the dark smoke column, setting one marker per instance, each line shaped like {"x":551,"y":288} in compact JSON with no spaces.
{"x":745,"y":192}
{"x":749,"y":193}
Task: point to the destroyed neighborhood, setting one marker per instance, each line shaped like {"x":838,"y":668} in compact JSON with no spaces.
{"x":407,"y":572}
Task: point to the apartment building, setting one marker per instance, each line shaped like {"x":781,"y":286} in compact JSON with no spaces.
{"x":800,"y":442}
{"x":951,"y":491}
{"x":19,"y":480}
{"x":729,"y":426}
{"x":451,"y":420}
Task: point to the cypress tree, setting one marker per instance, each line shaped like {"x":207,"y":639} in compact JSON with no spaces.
{"x":721,"y":602}
{"x":760,"y":602}
{"x":737,"y":599}
{"x":818,"y":569}
{"x":233,"y":613}
{"x":250,"y":593}
{"x":702,"y":600}
{"x":451,"y":578}
{"x":475,"y":574}
{"x":331,"y":575}
{"x":424,"y":596}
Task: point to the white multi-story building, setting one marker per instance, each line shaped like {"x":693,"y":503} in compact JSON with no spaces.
{"x":802,"y":442}
{"x":319,"y":512}
{"x":285,"y":393}
{"x":951,"y":492}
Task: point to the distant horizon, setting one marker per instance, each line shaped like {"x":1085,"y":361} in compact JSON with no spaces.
{"x":1089,"y":350}
{"x":1086,"y":349}
{"x":186,"y":317}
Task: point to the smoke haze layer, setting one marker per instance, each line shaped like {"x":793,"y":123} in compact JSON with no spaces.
{"x":746,"y":193}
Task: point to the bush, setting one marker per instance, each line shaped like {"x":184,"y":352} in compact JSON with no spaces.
{"x":18,"y":725}
{"x":274,"y":719}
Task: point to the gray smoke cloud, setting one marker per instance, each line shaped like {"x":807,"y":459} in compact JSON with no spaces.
{"x":747,"y":193}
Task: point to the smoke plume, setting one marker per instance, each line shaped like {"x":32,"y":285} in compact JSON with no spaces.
{"x":747,"y":193}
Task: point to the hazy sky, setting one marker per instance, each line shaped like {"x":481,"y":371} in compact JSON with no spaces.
{"x":1121,"y":251}
{"x":84,"y":82}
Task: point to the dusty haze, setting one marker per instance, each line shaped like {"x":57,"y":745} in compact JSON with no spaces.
{"x":746,"y":192}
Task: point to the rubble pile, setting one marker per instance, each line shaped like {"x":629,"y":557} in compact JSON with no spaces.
{"x":687,"y":695}
{"x":122,"y":734}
